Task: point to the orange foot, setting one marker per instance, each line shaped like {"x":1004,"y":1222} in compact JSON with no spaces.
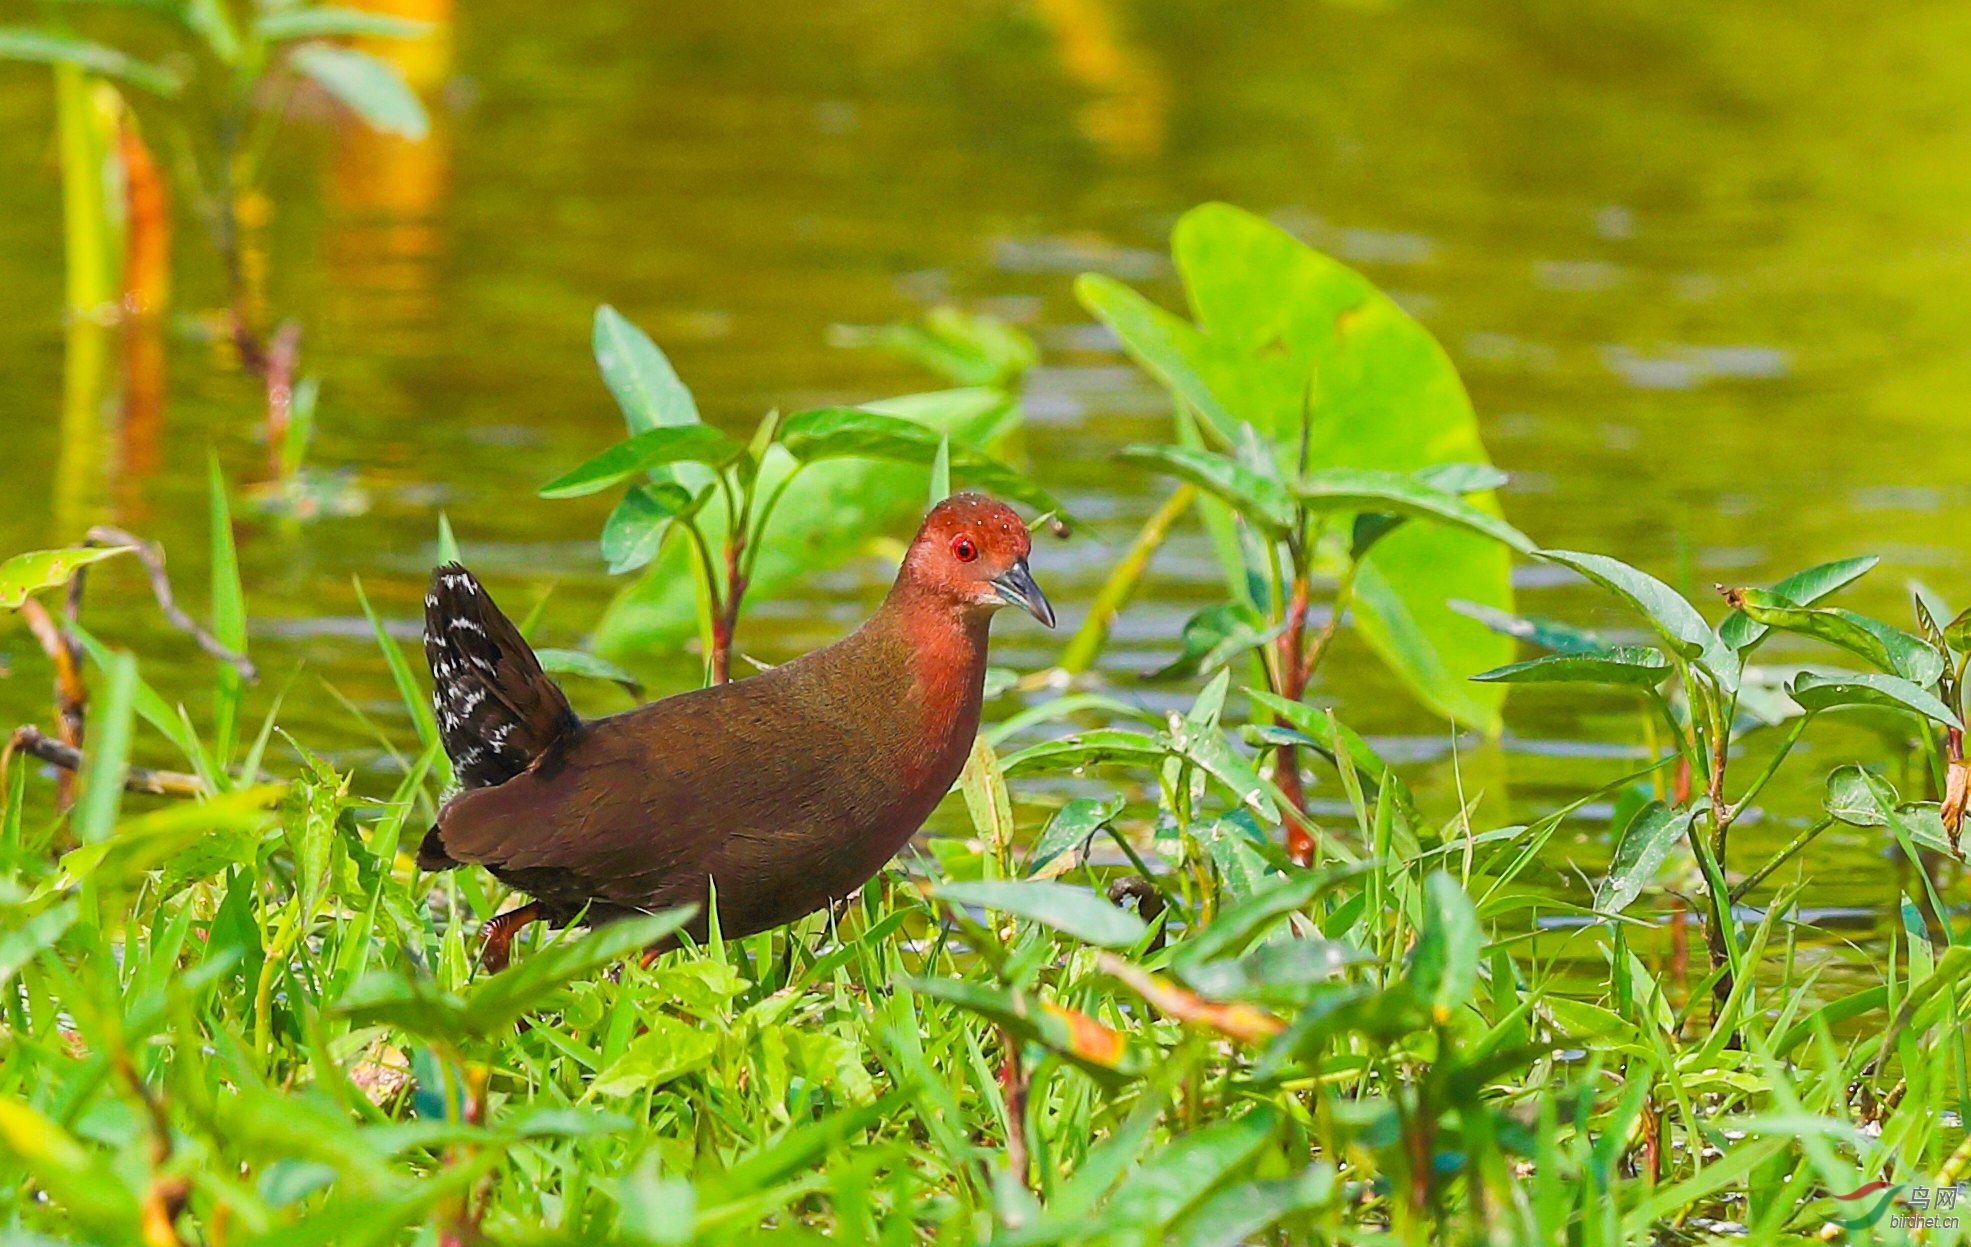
{"x":499,"y":932}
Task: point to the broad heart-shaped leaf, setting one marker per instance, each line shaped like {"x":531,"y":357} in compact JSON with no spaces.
{"x":830,"y":512}
{"x":372,"y":88}
{"x":634,"y":531}
{"x":1662,"y":607}
{"x":1261,"y":501}
{"x":1636,"y":666}
{"x":1816,"y":692}
{"x":1070,"y":910}
{"x":1803,"y":588}
{"x":1398,"y":493}
{"x":27,"y":574}
{"x":1271,"y":313}
{"x":1851,"y":797}
{"x":855,"y":433}
{"x":1443,"y":969}
{"x":658,"y":447}
{"x":1895,"y":651}
{"x":1639,"y":853}
{"x":639,"y":375}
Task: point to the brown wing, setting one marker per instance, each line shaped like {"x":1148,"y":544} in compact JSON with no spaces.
{"x":639,"y":809}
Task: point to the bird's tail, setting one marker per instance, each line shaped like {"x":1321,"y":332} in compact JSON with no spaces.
{"x":497,"y":710}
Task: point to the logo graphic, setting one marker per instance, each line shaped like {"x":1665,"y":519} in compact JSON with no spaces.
{"x":1874,"y":1214}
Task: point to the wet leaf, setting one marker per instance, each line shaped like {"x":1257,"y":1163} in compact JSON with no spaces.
{"x":1652,"y":834}
{"x":1818,"y":692}
{"x":635,"y":530}
{"x":1070,"y":910}
{"x":639,"y":375}
{"x":1631,"y":666}
{"x":1850,"y":797}
{"x":1277,"y":972}
{"x":1070,"y":828}
{"x":1214,"y":637}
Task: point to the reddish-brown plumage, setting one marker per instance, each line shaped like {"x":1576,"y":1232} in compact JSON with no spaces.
{"x":788,"y":789}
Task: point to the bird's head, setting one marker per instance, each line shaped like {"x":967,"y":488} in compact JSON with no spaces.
{"x":972,"y":552}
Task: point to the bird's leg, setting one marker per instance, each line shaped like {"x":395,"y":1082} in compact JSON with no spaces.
{"x":500,"y":930}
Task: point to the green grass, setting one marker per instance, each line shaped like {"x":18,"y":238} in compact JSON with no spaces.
{"x":253,"y":1012}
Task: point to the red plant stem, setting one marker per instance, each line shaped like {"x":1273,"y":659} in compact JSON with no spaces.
{"x":1013,"y":1081}
{"x":1291,"y":648}
{"x":71,"y":696}
{"x":281,"y":359}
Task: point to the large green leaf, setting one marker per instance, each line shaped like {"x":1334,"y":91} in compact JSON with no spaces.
{"x":1271,"y":313}
{"x":832,"y":511}
{"x":639,"y":375}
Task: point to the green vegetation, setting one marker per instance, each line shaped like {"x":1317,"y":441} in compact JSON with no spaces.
{"x":1183,"y":1006}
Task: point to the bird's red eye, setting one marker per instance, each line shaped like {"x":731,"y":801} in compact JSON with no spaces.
{"x":963,"y":548}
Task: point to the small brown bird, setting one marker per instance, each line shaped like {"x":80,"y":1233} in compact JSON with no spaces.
{"x":788,"y":790}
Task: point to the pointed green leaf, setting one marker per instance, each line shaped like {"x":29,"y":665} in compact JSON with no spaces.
{"x":1073,"y":911}
{"x":1895,"y":651}
{"x":658,"y":447}
{"x":1665,"y":610}
{"x":1634,"y":666}
{"x":1803,"y":588}
{"x":639,"y":375}
{"x":1261,"y":501}
{"x":371,"y":87}
{"x":1398,"y":493}
{"x":26,"y":574}
{"x":1645,"y":843}
{"x":1828,"y":692}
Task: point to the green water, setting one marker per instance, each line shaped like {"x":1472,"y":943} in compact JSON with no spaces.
{"x":1701,"y":268}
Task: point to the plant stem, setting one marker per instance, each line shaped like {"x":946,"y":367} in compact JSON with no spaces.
{"x":1779,"y":859}
{"x":1772,"y":768}
{"x":1086,"y":644}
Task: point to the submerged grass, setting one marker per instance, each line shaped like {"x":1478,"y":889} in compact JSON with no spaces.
{"x":247,"y":1019}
